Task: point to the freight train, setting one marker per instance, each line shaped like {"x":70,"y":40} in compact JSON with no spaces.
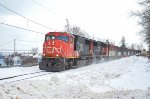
{"x":62,"y":51}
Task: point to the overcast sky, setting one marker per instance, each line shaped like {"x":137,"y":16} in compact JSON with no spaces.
{"x":105,"y":19}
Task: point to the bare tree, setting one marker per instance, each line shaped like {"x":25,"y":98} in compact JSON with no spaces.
{"x":74,"y":30}
{"x":77,"y":30}
{"x":132,"y":46}
{"x":144,"y":21}
{"x":34,"y":51}
{"x":86,"y":34}
{"x":138,"y":47}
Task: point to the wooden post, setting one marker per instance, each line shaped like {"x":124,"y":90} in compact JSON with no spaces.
{"x":14,"y":51}
{"x":149,"y":52}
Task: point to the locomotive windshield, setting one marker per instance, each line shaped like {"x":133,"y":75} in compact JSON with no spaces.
{"x":64,"y":38}
{"x":50,"y":37}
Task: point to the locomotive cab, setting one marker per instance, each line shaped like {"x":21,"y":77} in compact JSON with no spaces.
{"x":58,"y":44}
{"x":58,"y":49}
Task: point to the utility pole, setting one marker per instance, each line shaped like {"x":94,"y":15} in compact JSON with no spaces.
{"x":149,"y":52}
{"x":93,"y":37}
{"x":67,"y":26}
{"x":27,"y":23}
{"x":107,"y":43}
{"x":14,"y":50}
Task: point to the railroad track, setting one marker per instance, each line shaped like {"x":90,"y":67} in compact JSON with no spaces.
{"x":23,"y":77}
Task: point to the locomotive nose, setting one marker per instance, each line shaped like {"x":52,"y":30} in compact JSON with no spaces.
{"x":53,"y":48}
{"x":51,"y":43}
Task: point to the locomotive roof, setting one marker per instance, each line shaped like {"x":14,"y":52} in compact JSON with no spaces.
{"x":84,"y":37}
{"x":58,"y":33}
{"x":74,"y":35}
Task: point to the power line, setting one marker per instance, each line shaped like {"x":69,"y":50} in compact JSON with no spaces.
{"x":24,"y":45}
{"x":27,"y":45}
{"x":26,"y":18}
{"x":29,"y":41}
{"x":47,"y":9}
{"x":20,"y":28}
{"x":12,"y":50}
{"x":4,"y":29}
{"x":6,"y":43}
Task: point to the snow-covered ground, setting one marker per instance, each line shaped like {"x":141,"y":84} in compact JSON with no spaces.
{"x":126,"y":78}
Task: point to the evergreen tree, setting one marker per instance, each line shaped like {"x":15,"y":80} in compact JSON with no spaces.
{"x":123,"y":42}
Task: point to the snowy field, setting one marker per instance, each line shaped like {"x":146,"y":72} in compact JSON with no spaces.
{"x":126,"y":78}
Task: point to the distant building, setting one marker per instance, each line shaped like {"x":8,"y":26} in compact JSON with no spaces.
{"x":17,"y":61}
{"x":29,"y":59}
{"x":2,"y":60}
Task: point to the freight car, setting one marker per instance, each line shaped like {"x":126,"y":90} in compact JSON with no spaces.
{"x":62,"y":51}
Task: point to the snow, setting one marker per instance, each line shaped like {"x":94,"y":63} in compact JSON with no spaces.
{"x":8,"y":72}
{"x":137,"y":78}
{"x":126,"y":78}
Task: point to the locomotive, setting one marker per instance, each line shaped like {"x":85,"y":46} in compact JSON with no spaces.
{"x":62,"y":51}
